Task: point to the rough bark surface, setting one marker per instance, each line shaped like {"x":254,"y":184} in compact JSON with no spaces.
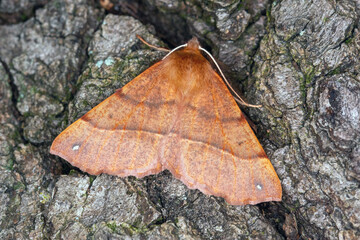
{"x":299,"y":59}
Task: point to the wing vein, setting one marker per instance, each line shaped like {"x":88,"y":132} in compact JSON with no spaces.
{"x":105,"y":141}
{"x":226,"y":141}
{"x":138,"y":139}
{"x":206,"y":151}
{"x":190,"y":139}
{"x":93,"y":129}
{"x":161,"y":114}
{"x":217,"y":120}
{"x":125,"y":121}
{"x":88,"y":137}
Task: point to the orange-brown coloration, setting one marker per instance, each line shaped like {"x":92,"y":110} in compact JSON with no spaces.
{"x":177,"y":115}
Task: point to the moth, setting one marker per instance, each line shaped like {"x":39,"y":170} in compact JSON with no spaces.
{"x":177,"y":115}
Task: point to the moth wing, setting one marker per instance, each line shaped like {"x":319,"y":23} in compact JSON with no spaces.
{"x":218,"y":153}
{"x":122,"y":134}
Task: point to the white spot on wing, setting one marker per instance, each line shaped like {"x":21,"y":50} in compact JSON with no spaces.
{"x":258,"y":186}
{"x":75,"y":147}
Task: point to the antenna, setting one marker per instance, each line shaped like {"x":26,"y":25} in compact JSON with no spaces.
{"x":237,"y":97}
{"x":184,"y":45}
{"x":152,"y":46}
